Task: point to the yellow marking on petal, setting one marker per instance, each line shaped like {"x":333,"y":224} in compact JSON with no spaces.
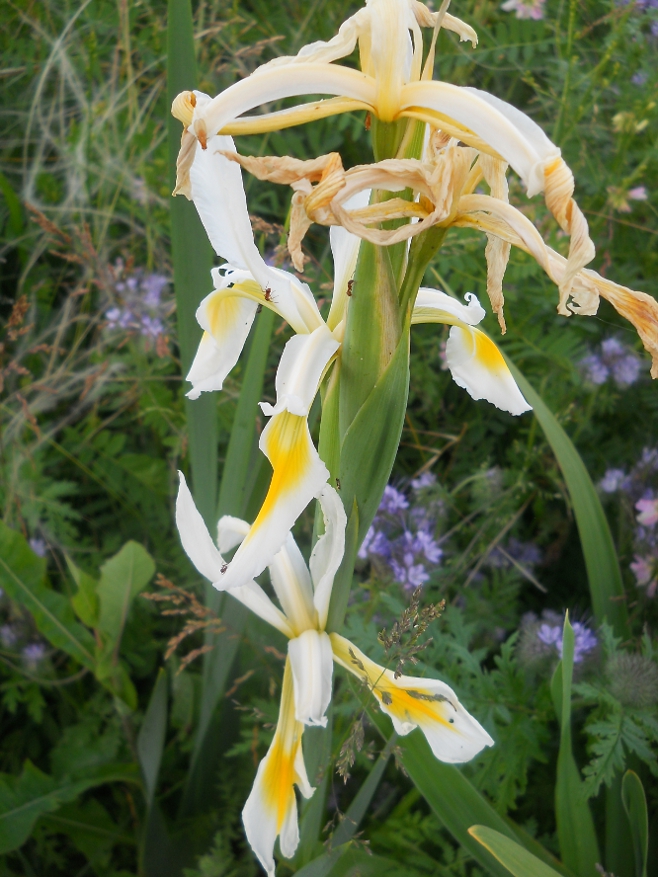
{"x":295,"y":116}
{"x":289,"y":453}
{"x":278,"y":778}
{"x":487,"y":353}
{"x":451,"y":127}
{"x":279,"y":774}
{"x":222,"y":314}
{"x":412,"y":705}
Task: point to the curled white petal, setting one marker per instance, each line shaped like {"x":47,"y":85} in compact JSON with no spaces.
{"x":434,"y":306}
{"x":231,"y":532}
{"x":301,"y":367}
{"x":311,"y":660}
{"x":271,"y":808}
{"x":299,"y":476}
{"x":227,"y":320}
{"x":328,"y":551}
{"x":197,"y":541}
{"x":477,"y":365}
{"x":429,"y":704}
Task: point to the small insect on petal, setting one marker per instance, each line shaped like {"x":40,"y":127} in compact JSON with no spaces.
{"x":224,"y":568}
{"x":350,"y":284}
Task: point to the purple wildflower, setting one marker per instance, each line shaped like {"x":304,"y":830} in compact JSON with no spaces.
{"x":533,"y":9}
{"x":38,"y":546}
{"x":426,"y":543}
{"x":427,"y":479}
{"x":584,"y":639}
{"x":596,"y":371}
{"x":393,"y":501}
{"x":612,"y":480}
{"x":8,"y":636}
{"x":33,"y":654}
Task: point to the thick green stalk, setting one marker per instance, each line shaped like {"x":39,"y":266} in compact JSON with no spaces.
{"x":192,"y":260}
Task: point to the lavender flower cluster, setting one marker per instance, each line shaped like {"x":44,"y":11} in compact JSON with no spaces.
{"x":143,"y":308}
{"x":525,"y":8}
{"x":639,"y":488}
{"x":400,"y":542}
{"x":615,"y":361}
{"x":18,"y":638}
{"x":644,"y":6}
{"x":541,"y":639}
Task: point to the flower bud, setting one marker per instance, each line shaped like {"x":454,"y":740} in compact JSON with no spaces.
{"x":633,"y":680}
{"x":183,"y":107}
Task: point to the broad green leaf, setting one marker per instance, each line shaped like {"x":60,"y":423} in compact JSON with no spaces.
{"x":371,"y":441}
{"x":511,"y":855}
{"x":90,"y":827}
{"x":348,"y":862}
{"x":25,"y":798}
{"x":456,"y":802}
{"x":635,"y":805}
{"x":123,"y":577}
{"x":151,"y":738}
{"x":603,"y":572}
{"x":619,"y":858}
{"x":575,"y":826}
{"x":192,"y":259}
{"x":22,"y":577}
{"x":85,"y":601}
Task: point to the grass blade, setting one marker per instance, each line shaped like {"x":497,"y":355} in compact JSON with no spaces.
{"x":603,"y":572}
{"x":635,"y":805}
{"x":575,"y":826}
{"x":511,"y":855}
{"x":192,"y":260}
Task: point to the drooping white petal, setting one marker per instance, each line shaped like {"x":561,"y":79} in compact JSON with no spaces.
{"x":299,"y":476}
{"x":453,"y":734}
{"x":231,"y":532}
{"x":271,"y":809}
{"x":328,"y":551}
{"x":292,"y":585}
{"x":280,"y":82}
{"x":345,"y":251}
{"x":311,"y":660}
{"x":519,"y":146}
{"x":219,"y":198}
{"x":300,"y":369}
{"x":218,"y":195}
{"x":227,"y":319}
{"x":433,"y":306}
{"x":477,"y":365}
{"x":197,"y":541}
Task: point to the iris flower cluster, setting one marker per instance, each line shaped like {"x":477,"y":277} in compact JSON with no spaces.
{"x":452,"y":139}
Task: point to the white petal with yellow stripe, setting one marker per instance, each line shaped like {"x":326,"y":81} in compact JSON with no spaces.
{"x":475,"y":362}
{"x":226,"y":316}
{"x":271,"y":809}
{"x":452,"y":733}
{"x":298,"y":477}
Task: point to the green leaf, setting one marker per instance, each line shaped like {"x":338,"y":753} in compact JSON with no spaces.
{"x":575,"y":826}
{"x":85,"y":601}
{"x":518,"y":861}
{"x":22,"y":577}
{"x":635,"y":805}
{"x":151,"y":738}
{"x":603,"y":572}
{"x":90,"y":827}
{"x":456,"y":802}
{"x":192,"y":259}
{"x":371,"y":441}
{"x":25,"y":798}
{"x":123,"y":577}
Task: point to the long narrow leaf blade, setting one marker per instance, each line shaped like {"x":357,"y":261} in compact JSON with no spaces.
{"x":192,"y":260}
{"x":635,"y":805}
{"x":603,"y":573}
{"x":511,"y":855}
